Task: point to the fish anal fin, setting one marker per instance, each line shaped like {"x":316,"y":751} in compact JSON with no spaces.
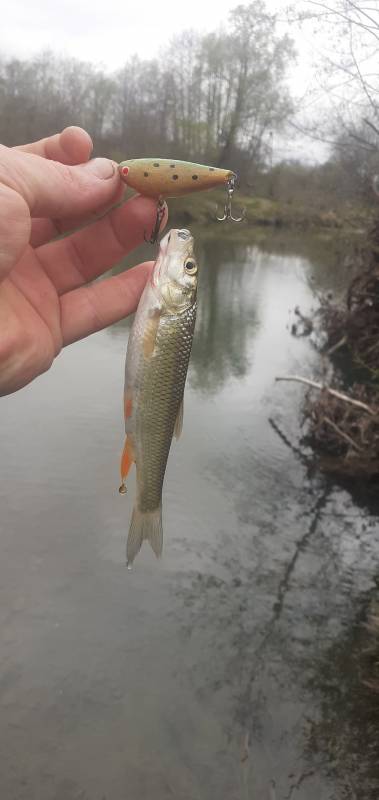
{"x":127,"y":459}
{"x":150,"y":334}
{"x":179,"y":421}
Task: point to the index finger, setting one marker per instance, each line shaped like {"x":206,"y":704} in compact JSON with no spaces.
{"x":73,"y":145}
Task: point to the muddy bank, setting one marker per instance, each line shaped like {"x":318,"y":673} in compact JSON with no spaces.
{"x":345,"y":435}
{"x":201,"y":209}
{"x":341,"y":412}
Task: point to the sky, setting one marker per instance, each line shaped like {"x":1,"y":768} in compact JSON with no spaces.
{"x":108,"y":33}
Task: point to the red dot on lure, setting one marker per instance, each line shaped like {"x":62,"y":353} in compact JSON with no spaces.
{"x":125,"y":170}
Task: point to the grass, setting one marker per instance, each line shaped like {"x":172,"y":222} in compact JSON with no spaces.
{"x":200,"y":209}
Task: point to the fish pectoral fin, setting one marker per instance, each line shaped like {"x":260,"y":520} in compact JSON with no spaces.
{"x":145,"y":525}
{"x":179,"y":421}
{"x":127,"y":459}
{"x":150,"y":334}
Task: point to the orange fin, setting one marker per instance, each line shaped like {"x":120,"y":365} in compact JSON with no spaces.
{"x":127,"y":459}
{"x":128,"y":404}
{"x":150,"y":335}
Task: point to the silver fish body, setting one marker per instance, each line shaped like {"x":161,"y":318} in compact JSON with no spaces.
{"x":157,"y":359}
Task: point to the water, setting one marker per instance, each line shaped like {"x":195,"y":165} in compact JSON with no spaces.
{"x":203,"y":675}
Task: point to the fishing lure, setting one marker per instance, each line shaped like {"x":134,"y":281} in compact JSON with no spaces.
{"x":161,"y":178}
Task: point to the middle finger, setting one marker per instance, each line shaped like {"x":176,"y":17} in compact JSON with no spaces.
{"x":44,"y":230}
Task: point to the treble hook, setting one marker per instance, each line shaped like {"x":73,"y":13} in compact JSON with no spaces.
{"x":158,"y":219}
{"x":230,"y":186}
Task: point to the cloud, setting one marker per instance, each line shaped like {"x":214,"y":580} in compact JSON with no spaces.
{"x":107,"y":33}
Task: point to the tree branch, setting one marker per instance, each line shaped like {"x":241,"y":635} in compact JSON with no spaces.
{"x":371,"y":125}
{"x":334,"y":392}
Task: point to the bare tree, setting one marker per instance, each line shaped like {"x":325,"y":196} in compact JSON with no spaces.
{"x":208,"y":97}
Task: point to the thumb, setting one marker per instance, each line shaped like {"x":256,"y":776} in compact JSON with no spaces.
{"x":51,"y":189}
{"x":15,"y":224}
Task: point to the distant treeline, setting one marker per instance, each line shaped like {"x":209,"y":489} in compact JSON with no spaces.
{"x":212,"y":98}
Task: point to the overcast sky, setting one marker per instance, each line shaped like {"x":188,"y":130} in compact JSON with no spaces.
{"x":109,"y":32}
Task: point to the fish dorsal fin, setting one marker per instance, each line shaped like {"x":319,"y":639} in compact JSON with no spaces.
{"x":179,"y":421}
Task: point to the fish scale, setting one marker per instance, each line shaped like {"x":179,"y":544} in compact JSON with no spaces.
{"x":164,"y":381}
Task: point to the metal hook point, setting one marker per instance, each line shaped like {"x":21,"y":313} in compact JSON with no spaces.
{"x":228,"y":204}
{"x":238,"y":219}
{"x":221,"y":219}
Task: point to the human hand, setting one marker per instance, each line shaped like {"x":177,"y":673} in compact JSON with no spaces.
{"x":47,"y":188}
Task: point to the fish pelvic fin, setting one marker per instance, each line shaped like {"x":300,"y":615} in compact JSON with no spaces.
{"x":145,"y":525}
{"x":127,"y":459}
{"x":179,"y":422}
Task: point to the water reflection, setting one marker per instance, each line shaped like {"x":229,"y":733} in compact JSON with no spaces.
{"x":344,"y":738}
{"x":193,"y":677}
{"x":227,"y":315}
{"x":236,"y":282}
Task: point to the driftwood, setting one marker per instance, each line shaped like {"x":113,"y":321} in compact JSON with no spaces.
{"x":341,"y":396}
{"x":342,"y":429}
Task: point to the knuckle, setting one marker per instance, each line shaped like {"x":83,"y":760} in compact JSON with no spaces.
{"x":65,"y":174}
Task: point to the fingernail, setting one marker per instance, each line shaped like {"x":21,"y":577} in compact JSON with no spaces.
{"x":101,"y":167}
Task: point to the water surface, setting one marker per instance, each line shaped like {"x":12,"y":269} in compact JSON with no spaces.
{"x":199,"y":676}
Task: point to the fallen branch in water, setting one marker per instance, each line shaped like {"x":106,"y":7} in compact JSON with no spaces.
{"x":342,"y":430}
{"x":321,"y":388}
{"x":345,"y":436}
{"x":337,"y":346}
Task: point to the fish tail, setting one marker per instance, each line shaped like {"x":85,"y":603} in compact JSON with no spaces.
{"x":145,"y":525}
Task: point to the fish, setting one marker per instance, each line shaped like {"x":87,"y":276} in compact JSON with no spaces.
{"x":164,"y":177}
{"x":157,"y":358}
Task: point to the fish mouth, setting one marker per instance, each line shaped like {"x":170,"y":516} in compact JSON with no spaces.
{"x":174,"y":239}
{"x":184,"y":234}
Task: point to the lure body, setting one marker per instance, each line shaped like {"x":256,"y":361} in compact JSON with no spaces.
{"x":157,"y":359}
{"x":163,"y":177}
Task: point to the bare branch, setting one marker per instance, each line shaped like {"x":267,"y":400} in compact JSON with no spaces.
{"x":361,"y":10}
{"x":321,"y":388}
{"x":363,"y":83}
{"x":342,"y":434}
{"x":370,"y":148}
{"x":371,"y":125}
{"x":337,"y":13}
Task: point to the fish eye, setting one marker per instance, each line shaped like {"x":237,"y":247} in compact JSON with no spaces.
{"x":190,"y":267}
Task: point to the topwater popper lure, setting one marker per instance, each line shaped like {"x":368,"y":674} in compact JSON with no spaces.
{"x":163,"y":178}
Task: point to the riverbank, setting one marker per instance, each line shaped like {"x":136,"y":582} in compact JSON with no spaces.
{"x":201,"y":208}
{"x":343,"y":429}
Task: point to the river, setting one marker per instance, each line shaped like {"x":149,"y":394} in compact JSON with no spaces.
{"x":200,"y":676}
